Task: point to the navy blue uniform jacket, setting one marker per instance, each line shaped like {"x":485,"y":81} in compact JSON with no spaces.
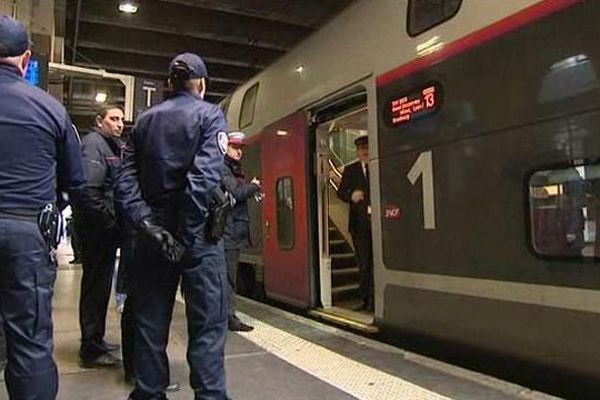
{"x":39,"y":147}
{"x":101,"y":159}
{"x":237,"y":229}
{"x":172,"y":165}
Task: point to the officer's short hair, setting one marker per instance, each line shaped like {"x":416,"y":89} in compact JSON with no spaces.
{"x":103,"y":110}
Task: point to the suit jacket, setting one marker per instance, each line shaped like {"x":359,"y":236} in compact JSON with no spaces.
{"x":353,"y":178}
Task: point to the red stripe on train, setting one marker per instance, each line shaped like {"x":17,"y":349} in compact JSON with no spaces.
{"x":502,"y":27}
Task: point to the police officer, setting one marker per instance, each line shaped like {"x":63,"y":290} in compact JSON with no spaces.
{"x":170,"y":170}
{"x":237,"y":229}
{"x":39,"y":157}
{"x":99,"y":232}
{"x":354,"y":189}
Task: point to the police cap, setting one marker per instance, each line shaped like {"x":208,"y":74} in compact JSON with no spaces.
{"x":195,"y":65}
{"x":237,"y":138}
{"x":14,"y":40}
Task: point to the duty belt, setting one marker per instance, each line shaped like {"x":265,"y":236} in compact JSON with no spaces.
{"x":21,"y":215}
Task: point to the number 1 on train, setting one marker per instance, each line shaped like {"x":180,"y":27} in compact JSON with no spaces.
{"x":423,"y":168}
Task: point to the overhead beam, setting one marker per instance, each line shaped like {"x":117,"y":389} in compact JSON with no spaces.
{"x":173,"y":43}
{"x":166,"y":54}
{"x":194,"y":22}
{"x":117,"y":61}
{"x":305,"y":13}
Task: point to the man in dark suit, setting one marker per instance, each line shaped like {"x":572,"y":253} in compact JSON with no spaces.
{"x":354,"y":189}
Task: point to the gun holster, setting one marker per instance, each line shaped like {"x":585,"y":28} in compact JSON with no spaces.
{"x":218,"y":212}
{"x":50,"y":224}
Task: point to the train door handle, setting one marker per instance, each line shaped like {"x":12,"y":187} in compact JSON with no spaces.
{"x":267,"y":229}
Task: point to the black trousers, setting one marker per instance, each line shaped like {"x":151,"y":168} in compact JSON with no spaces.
{"x":232,"y":257}
{"x":124,"y":286}
{"x":2,"y":343}
{"x":363,"y":244}
{"x":154,"y":284}
{"x":27,"y":276}
{"x":98,"y":263}
{"x":75,"y":239}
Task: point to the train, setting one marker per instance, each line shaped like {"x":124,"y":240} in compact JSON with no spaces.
{"x":484,"y":127}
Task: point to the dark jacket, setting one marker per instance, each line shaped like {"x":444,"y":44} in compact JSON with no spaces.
{"x":39,"y":148}
{"x":237,"y":229}
{"x":173,"y":164}
{"x":353,"y":178}
{"x":101,"y":158}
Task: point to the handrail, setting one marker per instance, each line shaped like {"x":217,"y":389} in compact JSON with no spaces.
{"x":334,"y":169}
{"x":333,"y":185}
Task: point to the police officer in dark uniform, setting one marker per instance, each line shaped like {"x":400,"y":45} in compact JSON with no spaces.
{"x":99,"y":231}
{"x":237,"y":228}
{"x":171,"y":168}
{"x":39,"y":157}
{"x":354,"y":189}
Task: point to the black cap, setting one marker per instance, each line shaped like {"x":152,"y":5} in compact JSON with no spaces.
{"x":14,"y":40}
{"x":362,"y":139}
{"x":195,"y":64}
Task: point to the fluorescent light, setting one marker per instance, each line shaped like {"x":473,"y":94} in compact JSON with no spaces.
{"x":128,"y":7}
{"x":101,"y":97}
{"x":281,"y":132}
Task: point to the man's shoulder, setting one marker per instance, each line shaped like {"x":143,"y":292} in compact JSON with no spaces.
{"x":92,"y":137}
{"x":41,"y":98}
{"x":352,"y":166}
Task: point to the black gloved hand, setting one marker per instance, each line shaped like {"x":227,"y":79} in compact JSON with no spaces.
{"x":170,"y":248}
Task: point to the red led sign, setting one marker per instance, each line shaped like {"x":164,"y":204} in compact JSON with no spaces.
{"x":415,"y":105}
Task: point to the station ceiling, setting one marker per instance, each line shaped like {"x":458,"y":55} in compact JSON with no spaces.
{"x":237,"y":38}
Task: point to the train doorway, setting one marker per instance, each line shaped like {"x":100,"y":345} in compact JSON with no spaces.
{"x":336,"y":127}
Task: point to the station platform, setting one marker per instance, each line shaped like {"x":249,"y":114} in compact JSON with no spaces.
{"x":286,"y":357}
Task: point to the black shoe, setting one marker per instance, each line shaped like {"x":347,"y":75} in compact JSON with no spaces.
{"x":103,"y":361}
{"x":173,"y":387}
{"x":107,"y":346}
{"x":235,"y":325}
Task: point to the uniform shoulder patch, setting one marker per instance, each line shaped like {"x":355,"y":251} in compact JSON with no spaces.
{"x":223,"y":142}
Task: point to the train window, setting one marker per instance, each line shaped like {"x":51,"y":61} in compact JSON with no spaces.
{"x":565,"y":211}
{"x":285,"y":213}
{"x":425,"y":14}
{"x":248,"y":106}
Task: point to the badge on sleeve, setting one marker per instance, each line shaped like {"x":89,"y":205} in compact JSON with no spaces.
{"x":223,"y":142}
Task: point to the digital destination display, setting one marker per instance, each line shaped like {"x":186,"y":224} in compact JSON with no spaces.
{"x":33,"y":72}
{"x":417,"y":104}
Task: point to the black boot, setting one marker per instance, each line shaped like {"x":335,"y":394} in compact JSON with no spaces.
{"x":235,"y":325}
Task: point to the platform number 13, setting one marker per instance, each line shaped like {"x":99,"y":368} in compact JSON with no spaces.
{"x":423,"y":168}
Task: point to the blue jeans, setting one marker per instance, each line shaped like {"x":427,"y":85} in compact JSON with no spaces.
{"x":154,"y":284}
{"x":27,"y":276}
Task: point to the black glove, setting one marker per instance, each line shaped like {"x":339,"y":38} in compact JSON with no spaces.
{"x":170,"y":248}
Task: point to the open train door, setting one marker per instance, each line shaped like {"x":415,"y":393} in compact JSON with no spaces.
{"x":285,"y":216}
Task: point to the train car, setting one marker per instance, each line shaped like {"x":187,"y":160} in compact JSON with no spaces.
{"x":484,"y":125}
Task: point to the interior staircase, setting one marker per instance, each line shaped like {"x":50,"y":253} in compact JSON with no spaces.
{"x":345,"y":275}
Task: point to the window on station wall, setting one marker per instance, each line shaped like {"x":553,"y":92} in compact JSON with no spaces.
{"x":425,"y":14}
{"x":248,"y":106}
{"x":285,"y":213}
{"x":565,"y":212}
